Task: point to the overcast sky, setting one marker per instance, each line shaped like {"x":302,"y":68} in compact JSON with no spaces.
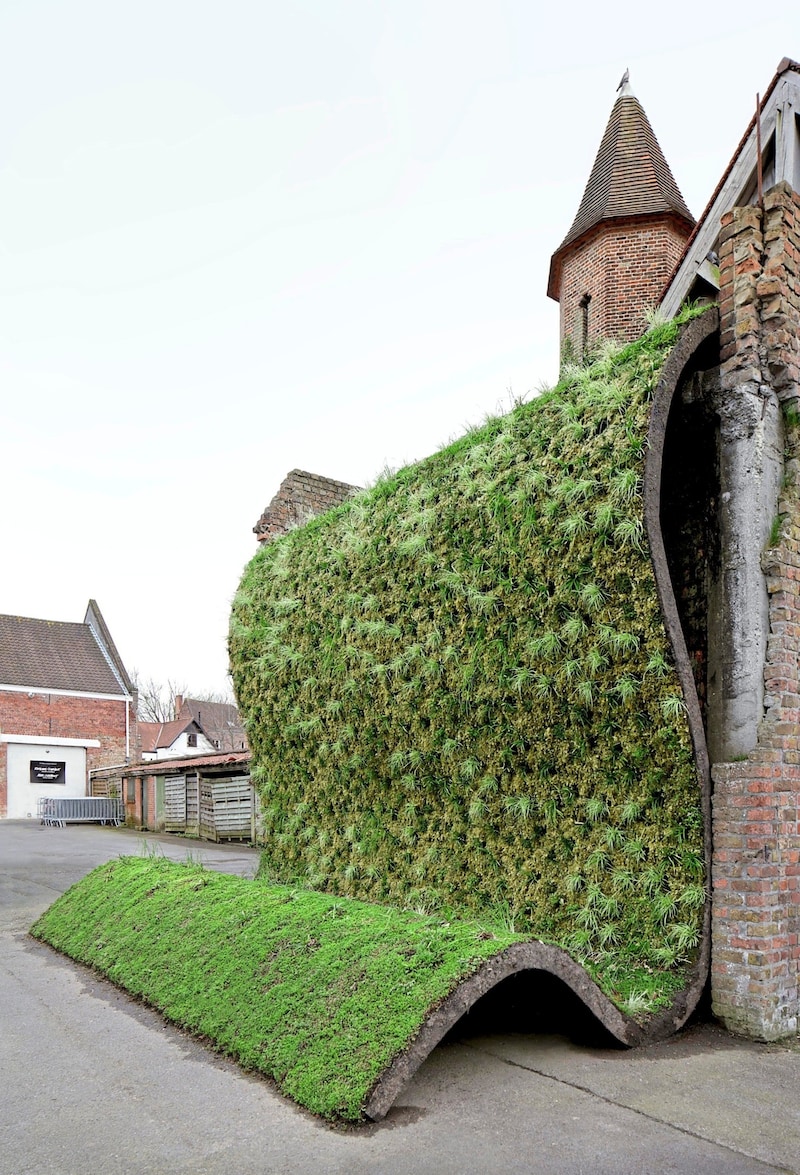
{"x":242,"y":237}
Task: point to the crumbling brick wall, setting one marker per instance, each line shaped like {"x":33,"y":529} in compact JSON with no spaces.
{"x":301,"y":496}
{"x":756,"y":858}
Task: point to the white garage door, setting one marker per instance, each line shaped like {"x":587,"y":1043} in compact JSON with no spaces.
{"x":42,"y":769}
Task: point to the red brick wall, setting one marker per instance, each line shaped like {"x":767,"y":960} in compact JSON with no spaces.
{"x":64,"y":716}
{"x":624,"y":266}
{"x":756,"y":858}
{"x":134,"y":812}
{"x":301,"y":496}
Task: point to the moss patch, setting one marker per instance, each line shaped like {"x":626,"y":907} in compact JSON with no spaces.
{"x":460,"y":694}
{"x":317,"y":993}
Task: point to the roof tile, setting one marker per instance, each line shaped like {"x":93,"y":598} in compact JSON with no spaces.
{"x":53,"y":654}
{"x":630,"y":176}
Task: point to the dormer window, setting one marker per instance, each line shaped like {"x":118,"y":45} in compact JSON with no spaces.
{"x":191,"y":740}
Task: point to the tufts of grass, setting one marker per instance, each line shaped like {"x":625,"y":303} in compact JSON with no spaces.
{"x":486,"y":611}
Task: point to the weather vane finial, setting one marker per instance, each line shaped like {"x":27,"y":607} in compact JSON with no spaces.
{"x":626,"y":77}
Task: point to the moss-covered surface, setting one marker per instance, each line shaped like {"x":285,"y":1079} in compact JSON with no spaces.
{"x":318,"y":993}
{"x":460,"y":694}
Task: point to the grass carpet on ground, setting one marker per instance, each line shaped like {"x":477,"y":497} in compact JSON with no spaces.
{"x":316,"y":992}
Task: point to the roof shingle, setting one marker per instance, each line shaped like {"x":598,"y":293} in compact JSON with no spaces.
{"x":54,"y":654}
{"x":630,"y":176}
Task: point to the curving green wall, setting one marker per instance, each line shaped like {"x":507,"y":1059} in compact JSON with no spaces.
{"x":460,"y":695}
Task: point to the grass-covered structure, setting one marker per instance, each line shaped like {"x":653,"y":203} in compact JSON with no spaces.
{"x":466,"y":690}
{"x":479,"y":750}
{"x":318,"y":994}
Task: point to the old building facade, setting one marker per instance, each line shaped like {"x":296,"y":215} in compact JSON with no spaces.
{"x":67,"y":706}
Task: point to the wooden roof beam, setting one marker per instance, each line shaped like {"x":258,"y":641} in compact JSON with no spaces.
{"x":780,"y":141}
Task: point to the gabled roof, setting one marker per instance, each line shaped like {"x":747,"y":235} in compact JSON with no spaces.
{"x":630,"y":178}
{"x":57,"y":655}
{"x":780,"y":155}
{"x":157,"y":736}
{"x":219,"y":722}
{"x":94,"y":618}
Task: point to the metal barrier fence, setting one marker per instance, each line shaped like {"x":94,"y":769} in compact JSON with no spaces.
{"x":61,"y":810}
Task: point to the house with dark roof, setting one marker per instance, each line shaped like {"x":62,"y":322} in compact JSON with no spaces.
{"x":219,"y":722}
{"x":168,"y":740}
{"x":67,"y":705}
{"x":200,"y":728}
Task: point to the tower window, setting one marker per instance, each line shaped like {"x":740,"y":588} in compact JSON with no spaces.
{"x":584,"y":325}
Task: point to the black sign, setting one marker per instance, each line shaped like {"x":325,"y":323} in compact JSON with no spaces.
{"x":47,"y":771}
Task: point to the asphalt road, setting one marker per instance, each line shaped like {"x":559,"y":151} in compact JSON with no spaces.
{"x":93,"y":1084}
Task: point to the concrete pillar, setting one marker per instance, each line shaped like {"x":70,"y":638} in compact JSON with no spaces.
{"x":755,"y":736}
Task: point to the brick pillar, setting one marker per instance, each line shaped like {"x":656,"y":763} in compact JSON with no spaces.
{"x":756,"y":857}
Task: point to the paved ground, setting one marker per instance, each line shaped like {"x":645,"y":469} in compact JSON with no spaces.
{"x":93,"y":1084}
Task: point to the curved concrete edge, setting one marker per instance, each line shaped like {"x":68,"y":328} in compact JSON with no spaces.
{"x":538,"y":956}
{"x":693,"y":336}
{"x":524,"y":956}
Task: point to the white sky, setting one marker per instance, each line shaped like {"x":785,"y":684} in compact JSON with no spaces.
{"x":245,"y":236}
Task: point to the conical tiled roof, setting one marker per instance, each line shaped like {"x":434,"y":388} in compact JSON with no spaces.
{"x":630,"y":176}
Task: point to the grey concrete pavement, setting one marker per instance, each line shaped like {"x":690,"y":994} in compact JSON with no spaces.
{"x":91,"y":1082}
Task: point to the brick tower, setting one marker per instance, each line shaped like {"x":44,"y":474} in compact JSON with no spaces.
{"x":629,"y":233}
